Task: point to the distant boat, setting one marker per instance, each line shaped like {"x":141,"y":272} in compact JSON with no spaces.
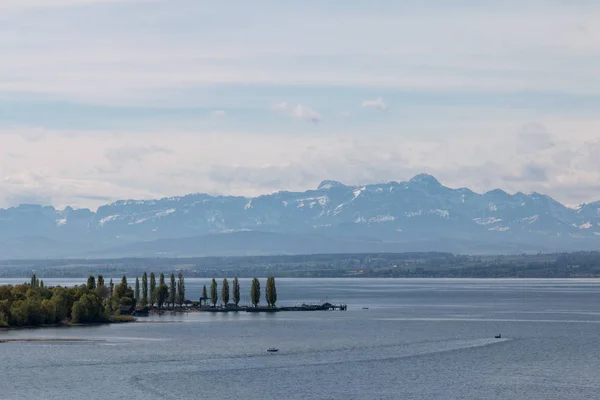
{"x":273,"y":350}
{"x":365,"y":308}
{"x":498,"y":337}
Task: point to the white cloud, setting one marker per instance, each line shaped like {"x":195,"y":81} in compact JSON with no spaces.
{"x":377,"y":103}
{"x":218,"y":114}
{"x":298,"y":111}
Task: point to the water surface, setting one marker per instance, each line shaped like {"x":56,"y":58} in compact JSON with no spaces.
{"x":418,"y":339}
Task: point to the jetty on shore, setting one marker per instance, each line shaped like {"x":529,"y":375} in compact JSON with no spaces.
{"x":302,"y":307}
{"x":258,"y":309}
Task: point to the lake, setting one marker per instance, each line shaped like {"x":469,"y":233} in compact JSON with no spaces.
{"x":418,"y":339}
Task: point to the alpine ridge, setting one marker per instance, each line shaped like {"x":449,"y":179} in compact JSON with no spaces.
{"x":419,"y":214}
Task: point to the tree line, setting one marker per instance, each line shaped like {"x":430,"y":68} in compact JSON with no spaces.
{"x":270,"y":295}
{"x":161,"y":295}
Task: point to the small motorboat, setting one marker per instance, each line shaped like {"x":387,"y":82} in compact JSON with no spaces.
{"x":365,"y":308}
{"x":498,"y":336}
{"x":273,"y":350}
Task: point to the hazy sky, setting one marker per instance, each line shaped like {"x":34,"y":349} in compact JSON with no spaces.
{"x":103,"y":100}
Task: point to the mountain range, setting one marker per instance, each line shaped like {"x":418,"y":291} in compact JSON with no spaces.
{"x":417,"y":215}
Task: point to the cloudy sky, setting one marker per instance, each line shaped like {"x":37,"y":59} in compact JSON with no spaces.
{"x":109,"y":99}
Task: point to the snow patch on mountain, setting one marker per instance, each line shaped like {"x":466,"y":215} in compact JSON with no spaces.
{"x":358,"y":191}
{"x":61,"y":221}
{"x":499,"y":228}
{"x":492,"y":207}
{"x":132,"y":202}
{"x":529,"y":220}
{"x":382,"y":218}
{"x":248,"y":205}
{"x":486,"y":221}
{"x":441,"y":213}
{"x":313,"y":201}
{"x":164,"y":213}
{"x":110,"y":218}
{"x":413,"y":214}
{"x":587,"y":225}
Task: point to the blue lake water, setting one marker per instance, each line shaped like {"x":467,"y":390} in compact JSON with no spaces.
{"x":418,"y":339}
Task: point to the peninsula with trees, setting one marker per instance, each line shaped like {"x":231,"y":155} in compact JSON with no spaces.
{"x":35,"y":304}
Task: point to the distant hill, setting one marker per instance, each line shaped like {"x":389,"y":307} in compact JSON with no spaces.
{"x":417,"y":215}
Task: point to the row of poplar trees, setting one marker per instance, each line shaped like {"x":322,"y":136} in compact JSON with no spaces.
{"x":271,"y":292}
{"x":160,"y":295}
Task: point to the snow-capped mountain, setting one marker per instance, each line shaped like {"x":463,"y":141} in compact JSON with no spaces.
{"x":396,"y":215}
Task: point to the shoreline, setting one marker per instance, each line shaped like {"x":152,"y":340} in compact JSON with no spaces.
{"x":23,"y":340}
{"x":63,"y":325}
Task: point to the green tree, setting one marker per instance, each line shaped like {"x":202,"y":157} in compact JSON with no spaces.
{"x":137,"y":290}
{"x":63,"y":299}
{"x":255,"y":292}
{"x":42,"y":283}
{"x":213,"y":292}
{"x":172,"y":291}
{"x":180,"y":289}
{"x":111,"y":289}
{"x":49,"y":311}
{"x":144,"y":290}
{"x":101,"y":290}
{"x":162,"y":279}
{"x":162,"y":295}
{"x":236,"y":291}
{"x":225,"y":291}
{"x":23,"y":305}
{"x":91,"y":282}
{"x":153,"y":293}
{"x":34,"y":281}
{"x":204,"y":295}
{"x":123,"y":291}
{"x":87,"y":309}
{"x":271,"y":292}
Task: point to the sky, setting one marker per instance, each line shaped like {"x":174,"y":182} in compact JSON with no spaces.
{"x":103,"y":100}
